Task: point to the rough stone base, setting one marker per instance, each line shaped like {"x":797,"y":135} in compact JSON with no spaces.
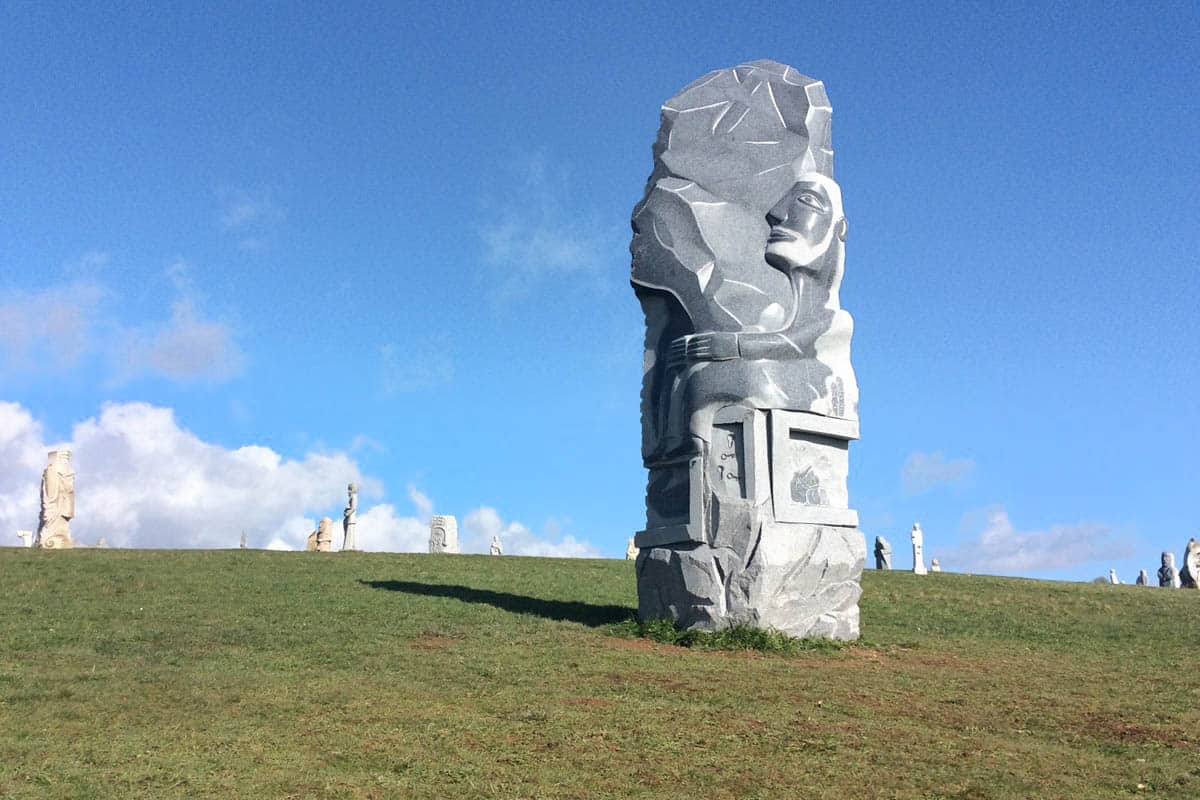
{"x":800,"y":579}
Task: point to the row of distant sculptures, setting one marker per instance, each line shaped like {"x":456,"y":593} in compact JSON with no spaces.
{"x":1168,"y":576}
{"x":883,"y":553}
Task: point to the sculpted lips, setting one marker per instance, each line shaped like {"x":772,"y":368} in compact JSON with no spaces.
{"x":781,"y":235}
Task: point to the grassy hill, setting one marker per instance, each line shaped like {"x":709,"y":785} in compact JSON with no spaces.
{"x":233,"y":674}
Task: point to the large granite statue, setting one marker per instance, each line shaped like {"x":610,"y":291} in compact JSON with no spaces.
{"x":1168,"y":576}
{"x":1189,"y":574}
{"x":350,"y":518}
{"x":883,"y":553}
{"x":737,"y":263}
{"x":58,"y":503}
{"x":443,"y":534}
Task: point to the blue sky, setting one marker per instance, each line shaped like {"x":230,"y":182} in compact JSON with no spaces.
{"x":249,"y":254}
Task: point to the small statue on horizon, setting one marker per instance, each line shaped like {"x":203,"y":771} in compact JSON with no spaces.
{"x":883,"y":553}
{"x":58,"y":503}
{"x":1168,"y":576}
{"x":325,"y":535}
{"x":1112,"y":578}
{"x":935,"y":566}
{"x":631,"y":550}
{"x":1143,"y":578}
{"x":443,"y":534}
{"x":496,"y":548}
{"x":918,"y":545}
{"x":242,"y":543}
{"x":26,"y":538}
{"x":350,"y":518}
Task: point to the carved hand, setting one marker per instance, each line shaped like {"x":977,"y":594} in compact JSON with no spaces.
{"x":716,"y":346}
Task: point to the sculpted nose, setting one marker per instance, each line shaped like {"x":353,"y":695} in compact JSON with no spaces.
{"x":777,"y":214}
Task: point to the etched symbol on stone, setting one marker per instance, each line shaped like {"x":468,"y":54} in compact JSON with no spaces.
{"x":806,"y":488}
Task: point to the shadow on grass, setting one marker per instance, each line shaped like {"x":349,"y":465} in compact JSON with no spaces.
{"x":570,"y":611}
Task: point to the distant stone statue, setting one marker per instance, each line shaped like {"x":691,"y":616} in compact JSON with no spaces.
{"x":935,"y":566}
{"x":631,"y":550}
{"x":496,"y":548}
{"x":242,"y":542}
{"x":26,"y":538}
{"x":102,"y":542}
{"x":1112,"y":577}
{"x":350,"y":518}
{"x":1143,"y":578}
{"x":1168,"y":576}
{"x":1189,"y":575}
{"x":58,"y":503}
{"x":918,"y":545}
{"x":443,"y":534}
{"x":325,"y":535}
{"x":883,"y":553}
{"x":311,"y":544}
{"x":749,"y":401}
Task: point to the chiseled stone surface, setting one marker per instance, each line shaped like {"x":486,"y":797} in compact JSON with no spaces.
{"x":883,"y":553}
{"x":1168,"y":576}
{"x":350,"y":518}
{"x":749,"y":401}
{"x":1189,"y":575}
{"x":918,"y":546}
{"x":1143,"y":578}
{"x":443,"y":534}
{"x":26,"y":538}
{"x":58,"y":503}
{"x":496,"y":548}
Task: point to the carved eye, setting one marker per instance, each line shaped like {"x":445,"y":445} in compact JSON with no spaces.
{"x":812,"y":200}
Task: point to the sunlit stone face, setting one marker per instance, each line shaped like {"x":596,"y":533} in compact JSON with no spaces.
{"x":802,"y":223}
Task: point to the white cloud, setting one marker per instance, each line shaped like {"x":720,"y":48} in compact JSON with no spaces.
{"x":480,"y":525}
{"x":421,"y":501}
{"x":142,"y":480}
{"x":925,"y":471}
{"x":1002,"y":549}
{"x":537,"y":230}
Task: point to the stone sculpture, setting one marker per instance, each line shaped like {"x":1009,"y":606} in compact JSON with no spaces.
{"x":350,"y":518}
{"x":311,"y":545}
{"x":443,"y":534}
{"x":101,"y":542}
{"x":58,"y":503}
{"x":496,"y":548}
{"x":242,"y":541}
{"x":1112,"y":577}
{"x":1168,"y":576}
{"x":325,"y":535}
{"x":1189,"y":575}
{"x":935,"y":566}
{"x":26,"y":538}
{"x":918,"y":545}
{"x":631,"y":550}
{"x":1143,"y":578}
{"x":738,"y":251}
{"x":883,"y":553}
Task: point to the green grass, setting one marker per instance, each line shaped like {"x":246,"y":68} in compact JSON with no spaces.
{"x":227,"y":674}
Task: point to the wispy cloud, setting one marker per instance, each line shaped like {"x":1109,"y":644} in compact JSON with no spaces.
{"x":416,"y":365}
{"x":925,"y":471}
{"x":1000,"y":548}
{"x":70,"y":324}
{"x":480,"y":525}
{"x":252,"y":217}
{"x":539,"y":230}
{"x":51,"y":329}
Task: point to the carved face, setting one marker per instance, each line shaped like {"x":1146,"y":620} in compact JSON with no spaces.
{"x":804,"y":222}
